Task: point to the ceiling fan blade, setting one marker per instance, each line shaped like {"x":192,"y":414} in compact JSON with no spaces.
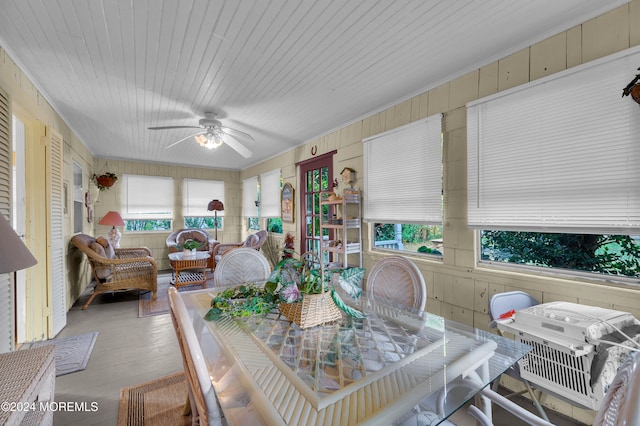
{"x":184,"y":139}
{"x":237,"y":134}
{"x":173,"y":127}
{"x":235,"y":144}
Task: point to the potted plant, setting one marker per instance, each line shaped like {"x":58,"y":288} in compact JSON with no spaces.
{"x":189,"y":247}
{"x":105,"y":180}
{"x":302,"y":290}
{"x":633,"y":89}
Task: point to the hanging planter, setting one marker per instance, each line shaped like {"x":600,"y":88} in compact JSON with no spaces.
{"x":105,"y":180}
{"x":633,"y":89}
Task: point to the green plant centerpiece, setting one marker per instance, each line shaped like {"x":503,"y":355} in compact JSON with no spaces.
{"x":301,"y":288}
{"x":189,"y":245}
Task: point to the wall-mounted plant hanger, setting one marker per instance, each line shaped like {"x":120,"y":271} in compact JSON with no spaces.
{"x":105,"y":180}
{"x":633,"y":89}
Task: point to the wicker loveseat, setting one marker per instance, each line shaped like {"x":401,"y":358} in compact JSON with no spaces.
{"x":117,"y":268}
{"x":199,"y":235}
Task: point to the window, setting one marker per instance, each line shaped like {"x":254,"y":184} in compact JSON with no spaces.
{"x":250,"y":202}
{"x":147,"y":203}
{"x":78,"y":199}
{"x":270,"y":184}
{"x":553,"y":171}
{"x":403,"y":187}
{"x":602,"y":254}
{"x":253,"y":223}
{"x":196,"y":195}
{"x":274,"y":224}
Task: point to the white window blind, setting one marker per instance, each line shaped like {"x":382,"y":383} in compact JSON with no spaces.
{"x":403,"y":174}
{"x":270,"y":194}
{"x":147,"y":197}
{"x":561,"y":154}
{"x":250,"y":196}
{"x":196,"y":195}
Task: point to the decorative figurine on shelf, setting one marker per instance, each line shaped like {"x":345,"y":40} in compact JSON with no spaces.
{"x":348,"y":176}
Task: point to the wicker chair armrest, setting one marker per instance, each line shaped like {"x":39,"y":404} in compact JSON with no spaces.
{"x":130,"y":252}
{"x":220,"y":249}
{"x":104,"y":261}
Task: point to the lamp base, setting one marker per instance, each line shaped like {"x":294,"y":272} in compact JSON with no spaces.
{"x":114,"y":237}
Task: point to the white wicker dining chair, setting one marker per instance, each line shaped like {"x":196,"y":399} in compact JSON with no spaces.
{"x":202,"y":397}
{"x":399,"y":279}
{"x":239,"y":266}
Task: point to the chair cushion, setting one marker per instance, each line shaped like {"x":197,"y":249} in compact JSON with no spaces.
{"x":251,"y":241}
{"x":193,"y":235}
{"x":108,"y":249}
{"x":103,"y":273}
{"x":97,"y":247}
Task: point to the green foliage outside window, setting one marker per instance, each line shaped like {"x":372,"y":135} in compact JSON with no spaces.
{"x":253,"y":223}
{"x":413,"y":238}
{"x":204,"y":222}
{"x":274,"y":225}
{"x":604,"y":254}
{"x":147,"y":225}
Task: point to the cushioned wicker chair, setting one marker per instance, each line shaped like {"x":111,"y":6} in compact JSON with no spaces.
{"x":239,"y":266}
{"x":117,"y":268}
{"x":399,"y":279}
{"x":254,"y":241}
{"x":199,"y":235}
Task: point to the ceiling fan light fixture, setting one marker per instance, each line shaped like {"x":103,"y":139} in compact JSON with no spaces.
{"x":209,"y":140}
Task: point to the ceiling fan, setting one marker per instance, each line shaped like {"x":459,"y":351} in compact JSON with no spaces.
{"x":214,"y":134}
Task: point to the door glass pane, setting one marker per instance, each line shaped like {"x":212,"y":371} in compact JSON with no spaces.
{"x":325,"y":179}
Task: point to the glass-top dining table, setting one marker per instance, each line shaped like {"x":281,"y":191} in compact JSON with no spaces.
{"x":396,"y":366}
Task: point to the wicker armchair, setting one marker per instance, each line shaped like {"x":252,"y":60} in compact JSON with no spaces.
{"x":117,"y":268}
{"x":254,"y":241}
{"x":200,"y":235}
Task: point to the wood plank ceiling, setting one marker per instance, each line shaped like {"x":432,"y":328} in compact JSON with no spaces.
{"x":284,"y":71}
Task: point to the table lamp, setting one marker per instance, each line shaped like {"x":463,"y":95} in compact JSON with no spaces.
{"x":14,"y":255}
{"x":114,"y":219}
{"x":215,"y":206}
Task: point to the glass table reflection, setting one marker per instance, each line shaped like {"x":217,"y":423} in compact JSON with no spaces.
{"x":396,"y":366}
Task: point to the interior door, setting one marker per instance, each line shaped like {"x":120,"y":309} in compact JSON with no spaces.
{"x":316,"y":176}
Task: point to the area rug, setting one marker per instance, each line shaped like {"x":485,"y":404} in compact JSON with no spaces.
{"x":148,"y":307}
{"x":157,"y":403}
{"x":71,"y":353}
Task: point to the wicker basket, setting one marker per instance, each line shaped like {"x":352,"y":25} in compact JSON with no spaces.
{"x":313,"y":309}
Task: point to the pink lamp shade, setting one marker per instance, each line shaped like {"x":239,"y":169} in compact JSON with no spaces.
{"x":14,"y":255}
{"x":112,"y":218}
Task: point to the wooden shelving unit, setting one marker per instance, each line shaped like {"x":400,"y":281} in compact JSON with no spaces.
{"x":343,"y":220}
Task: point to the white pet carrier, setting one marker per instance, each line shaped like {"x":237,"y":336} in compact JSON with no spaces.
{"x":577,"y":349}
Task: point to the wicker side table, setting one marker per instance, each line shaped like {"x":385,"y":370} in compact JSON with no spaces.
{"x":27,"y":384}
{"x":189,"y":269}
